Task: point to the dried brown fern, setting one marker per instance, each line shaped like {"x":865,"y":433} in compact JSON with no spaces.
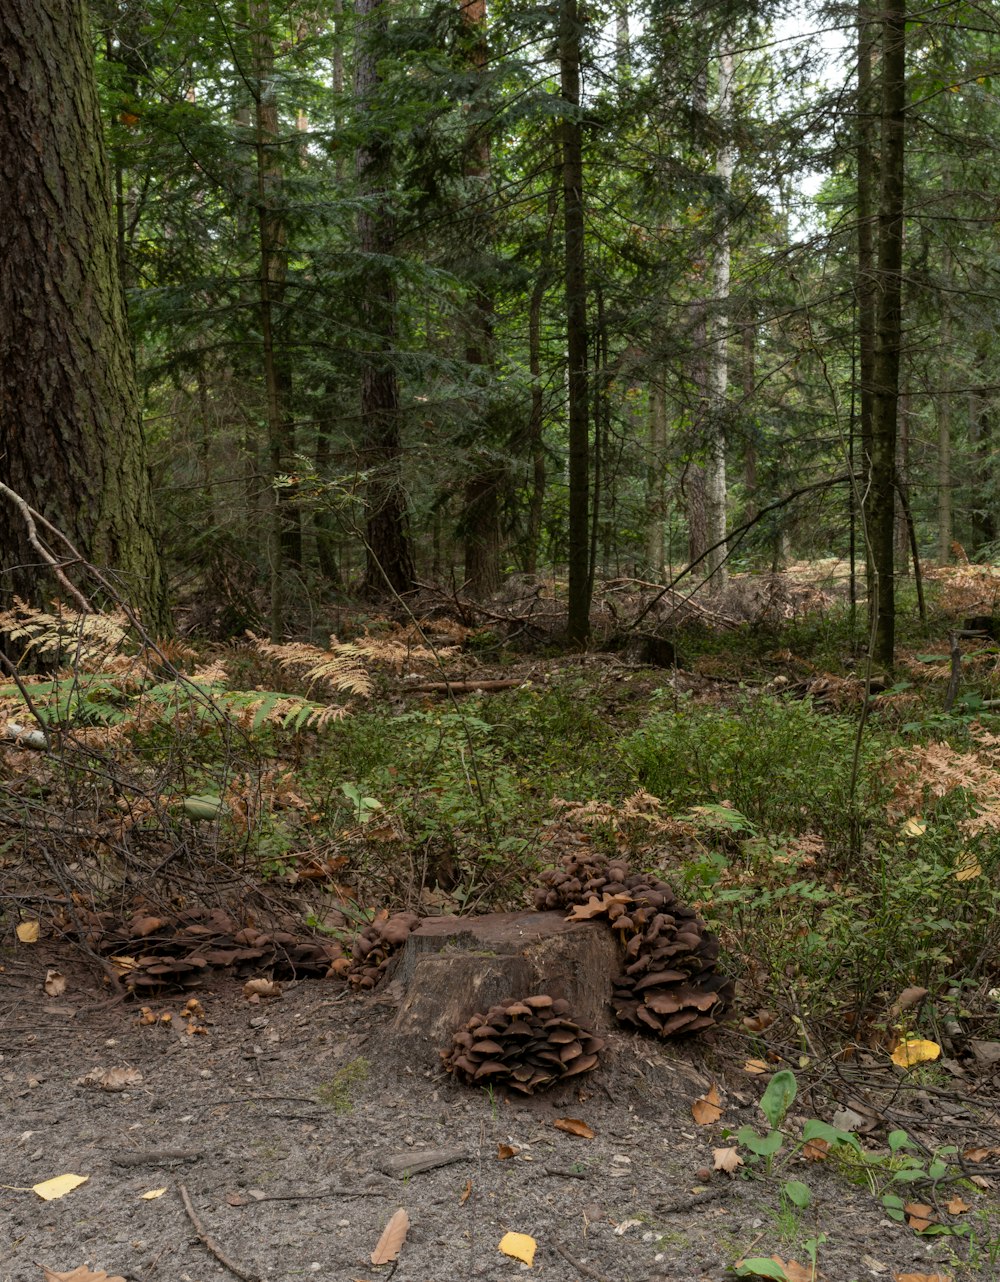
{"x":339,"y":667}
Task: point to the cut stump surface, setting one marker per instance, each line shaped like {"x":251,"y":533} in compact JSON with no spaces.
{"x":452,"y":967}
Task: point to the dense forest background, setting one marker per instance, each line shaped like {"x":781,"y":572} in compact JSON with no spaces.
{"x":434,"y":293}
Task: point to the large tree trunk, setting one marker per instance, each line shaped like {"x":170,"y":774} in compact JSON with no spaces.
{"x":71,"y":438}
{"x":389,"y":560}
{"x":536,"y":423}
{"x":888,"y":333}
{"x":578,"y":624}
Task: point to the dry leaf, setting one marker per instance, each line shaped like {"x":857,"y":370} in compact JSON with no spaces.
{"x":234,"y":1199}
{"x":967,"y":866}
{"x":110,"y":1079}
{"x":152,"y":1195}
{"x":956,"y":1206}
{"x":914,"y":828}
{"x":573,"y":1126}
{"x":914,"y":1050}
{"x":727,"y":1159}
{"x":977,"y":1154}
{"x":981,"y":1181}
{"x":55,"y":983}
{"x":816,"y":1150}
{"x":393,"y":1236}
{"x":466,"y":1193}
{"x":757,"y":1023}
{"x":58,"y":1186}
{"x":260,"y":988}
{"x":907,"y":999}
{"x":919,"y":1215}
{"x":82,"y":1274}
{"x":922,"y":1277}
{"x":795,"y":1272}
{"x":707,"y":1108}
{"x":506,"y":1150}
{"x":519,"y":1246}
{"x":755,"y":1066}
{"x":595,"y":907}
{"x":27,"y":932}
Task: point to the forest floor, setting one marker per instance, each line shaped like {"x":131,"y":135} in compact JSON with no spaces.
{"x":279,"y":1121}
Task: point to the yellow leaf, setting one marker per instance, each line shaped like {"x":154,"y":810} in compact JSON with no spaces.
{"x":967,"y":866}
{"x":519,"y":1246}
{"x":27,"y":932}
{"x":755,"y":1066}
{"x":707,"y":1108}
{"x":152,"y":1195}
{"x":58,"y":1186}
{"x":914,"y":828}
{"x":914,"y":1050}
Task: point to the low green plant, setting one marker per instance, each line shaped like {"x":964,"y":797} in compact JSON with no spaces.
{"x":338,"y":1093}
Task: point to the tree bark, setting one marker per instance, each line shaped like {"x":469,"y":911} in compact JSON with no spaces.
{"x":888,"y":332}
{"x":71,"y":440}
{"x":656,"y":504}
{"x":578,"y":622}
{"x":388,"y":557}
{"x":536,"y":423}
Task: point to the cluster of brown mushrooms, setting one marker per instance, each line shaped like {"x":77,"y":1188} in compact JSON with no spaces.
{"x":177,"y":950}
{"x":375,"y":946}
{"x":523,"y":1045}
{"x":669,"y":983}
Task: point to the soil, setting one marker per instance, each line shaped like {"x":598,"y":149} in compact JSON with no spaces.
{"x":281,"y":1119}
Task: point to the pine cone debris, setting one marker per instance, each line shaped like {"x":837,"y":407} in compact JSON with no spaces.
{"x":669,"y":983}
{"x":525,"y":1045}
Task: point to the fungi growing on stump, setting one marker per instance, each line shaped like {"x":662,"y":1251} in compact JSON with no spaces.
{"x":374,"y":947}
{"x":669,"y":983}
{"x":526,"y":1045}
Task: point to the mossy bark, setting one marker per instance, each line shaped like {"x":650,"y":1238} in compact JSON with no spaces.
{"x":71,"y":439}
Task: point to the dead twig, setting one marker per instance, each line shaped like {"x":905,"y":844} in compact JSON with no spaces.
{"x":463,"y":687}
{"x":580,"y":1267}
{"x":210,"y":1244}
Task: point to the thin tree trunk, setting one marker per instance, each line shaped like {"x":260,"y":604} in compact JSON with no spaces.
{"x":71,"y":440}
{"x":865,"y":286}
{"x":578,"y":623}
{"x":388,"y":558}
{"x":718,"y":353}
{"x":943,"y":405}
{"x":536,"y":422}
{"x":888,"y":331}
{"x":984,"y":524}
{"x":656,"y":504}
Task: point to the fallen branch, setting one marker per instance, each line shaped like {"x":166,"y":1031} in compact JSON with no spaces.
{"x":464,"y":687}
{"x":580,"y":1267}
{"x":210,"y":1244}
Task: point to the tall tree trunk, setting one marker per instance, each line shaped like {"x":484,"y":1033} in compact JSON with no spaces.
{"x":865,"y":285}
{"x":943,"y":406}
{"x":718,"y":353}
{"x":750,"y":444}
{"x":578,"y":623}
{"x":481,"y":517}
{"x":888,"y":331}
{"x":656,"y":502}
{"x":536,"y":422}
{"x":902,"y":559}
{"x":983,"y":508}
{"x":388,"y":558}
{"x":71,"y":439}
{"x":285,"y":544}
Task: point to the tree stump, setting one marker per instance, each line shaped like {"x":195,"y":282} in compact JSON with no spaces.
{"x":452,"y":967}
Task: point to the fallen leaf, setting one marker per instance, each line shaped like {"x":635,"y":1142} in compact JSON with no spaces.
{"x":956,"y":1206}
{"x":921,"y":1277}
{"x":914,"y":828}
{"x":234,"y":1199}
{"x":519,"y":1246}
{"x":261,"y":988}
{"x":981,"y":1181}
{"x":27,"y":932}
{"x":110,"y":1079}
{"x":727,"y":1159}
{"x":914,"y":1050}
{"x":816,"y":1150}
{"x":919,"y":1215}
{"x":622,"y":1228}
{"x":55,"y":983}
{"x":795,"y":1272}
{"x":707,"y":1108}
{"x":594,"y":907}
{"x":755,"y":1066}
{"x":466,"y":1193}
{"x":152,"y":1195}
{"x":977,"y":1154}
{"x":506,"y":1150}
{"x":907,"y":999}
{"x":58,"y":1186}
{"x":760,"y":1268}
{"x":967,"y":866}
{"x":393,"y":1236}
{"x":757,"y":1023}
{"x":82,"y":1274}
{"x":573,"y":1126}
